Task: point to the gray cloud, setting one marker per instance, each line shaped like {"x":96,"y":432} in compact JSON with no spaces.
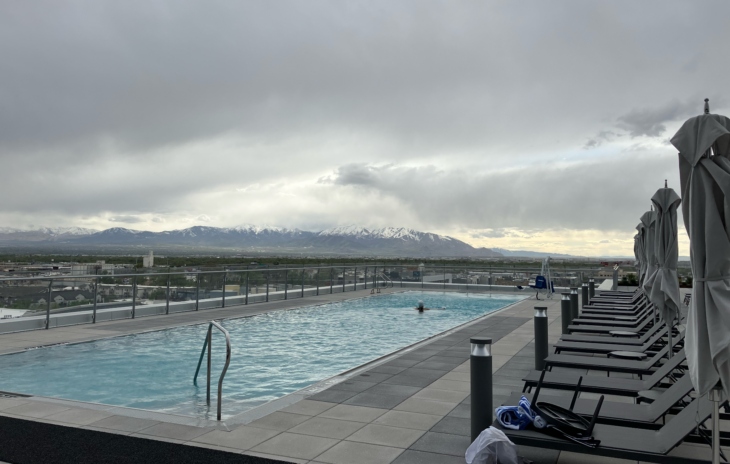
{"x":651,"y":121}
{"x":600,"y":194}
{"x":126,"y":219}
{"x":601,"y":138}
{"x":490,"y":233}
{"x":450,"y":114}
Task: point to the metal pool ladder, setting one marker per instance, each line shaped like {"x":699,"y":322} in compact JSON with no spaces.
{"x":207,"y":344}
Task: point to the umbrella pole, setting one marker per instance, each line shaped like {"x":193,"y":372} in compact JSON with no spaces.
{"x":715,"y":396}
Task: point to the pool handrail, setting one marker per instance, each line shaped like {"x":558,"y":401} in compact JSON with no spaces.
{"x":207,"y":344}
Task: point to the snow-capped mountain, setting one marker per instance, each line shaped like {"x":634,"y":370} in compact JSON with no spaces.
{"x":339,"y":240}
{"x":43,"y":233}
{"x":400,"y":233}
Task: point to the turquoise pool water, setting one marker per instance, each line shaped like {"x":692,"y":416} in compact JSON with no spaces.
{"x":272,"y":354}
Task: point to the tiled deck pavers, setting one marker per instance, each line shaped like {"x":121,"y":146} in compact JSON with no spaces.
{"x":413,"y":408}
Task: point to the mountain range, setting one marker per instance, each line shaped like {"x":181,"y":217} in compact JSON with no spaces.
{"x":387,"y":241}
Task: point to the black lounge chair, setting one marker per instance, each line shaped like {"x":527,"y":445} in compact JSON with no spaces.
{"x":642,"y":415}
{"x":607,"y":385}
{"x":616,"y":326}
{"x":638,"y":309}
{"x":627,"y":321}
{"x":640,"y":340}
{"x":605,"y":348}
{"x":630,"y":443}
{"x":609,"y":365}
{"x":615,"y":300}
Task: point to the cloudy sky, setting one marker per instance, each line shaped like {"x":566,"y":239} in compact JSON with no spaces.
{"x":522,"y":125}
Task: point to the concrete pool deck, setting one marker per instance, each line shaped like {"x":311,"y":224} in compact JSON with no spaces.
{"x":411,"y":407}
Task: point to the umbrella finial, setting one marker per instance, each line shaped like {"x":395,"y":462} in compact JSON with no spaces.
{"x":707,"y":106}
{"x":665,"y":183}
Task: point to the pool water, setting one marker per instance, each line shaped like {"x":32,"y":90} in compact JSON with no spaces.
{"x":272,"y":354}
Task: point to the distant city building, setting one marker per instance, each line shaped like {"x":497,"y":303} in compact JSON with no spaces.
{"x":91,"y":268}
{"x":149,"y":260}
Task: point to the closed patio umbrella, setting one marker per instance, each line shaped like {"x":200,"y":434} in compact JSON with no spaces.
{"x":640,"y":253}
{"x":704,"y":168}
{"x":704,"y":171}
{"x":637,"y":262}
{"x":648,"y":219}
{"x":662,"y":285}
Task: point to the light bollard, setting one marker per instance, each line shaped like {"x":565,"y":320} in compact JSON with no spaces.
{"x":584,"y":296}
{"x":591,"y":289}
{"x":573,"y":303}
{"x":541,"y":337}
{"x":565,"y":312}
{"x":481,"y":385}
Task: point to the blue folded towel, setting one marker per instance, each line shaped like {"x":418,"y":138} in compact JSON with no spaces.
{"x":519,"y":417}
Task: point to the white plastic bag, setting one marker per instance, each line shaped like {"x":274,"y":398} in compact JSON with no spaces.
{"x":492,"y":447}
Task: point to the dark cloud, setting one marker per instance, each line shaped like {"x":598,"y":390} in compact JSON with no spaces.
{"x":600,"y":139}
{"x":651,"y":122}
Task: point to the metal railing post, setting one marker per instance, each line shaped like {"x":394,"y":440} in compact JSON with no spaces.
{"x":267,"y":284}
{"x":444,"y":277}
{"x":401,"y":277}
{"x":48,"y":305}
{"x":354,"y":279}
{"x":134,"y":296}
{"x":167,"y":295}
{"x":332,"y":279}
{"x":210,"y":350}
{"x":96,"y":293}
{"x":365,"y":278}
{"x":286,"y":284}
{"x":344,"y":278}
{"x":223,"y":301}
{"x":303,"y":272}
{"x":197,"y":291}
{"x":248,"y":274}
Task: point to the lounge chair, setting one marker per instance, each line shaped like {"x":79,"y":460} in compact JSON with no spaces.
{"x":630,"y":443}
{"x":605,"y":348}
{"x":609,"y":365}
{"x":614,"y":327}
{"x":640,"y":339}
{"x":616,"y":413}
{"x":608,"y":385}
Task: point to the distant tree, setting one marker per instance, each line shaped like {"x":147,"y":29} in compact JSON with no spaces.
{"x":20,"y":304}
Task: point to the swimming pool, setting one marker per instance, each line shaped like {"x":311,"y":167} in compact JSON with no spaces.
{"x":273,"y":354}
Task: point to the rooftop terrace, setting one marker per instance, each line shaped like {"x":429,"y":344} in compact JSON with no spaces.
{"x":409,"y":407}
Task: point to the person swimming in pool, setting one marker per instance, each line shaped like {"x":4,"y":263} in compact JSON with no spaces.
{"x":420,"y":307}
